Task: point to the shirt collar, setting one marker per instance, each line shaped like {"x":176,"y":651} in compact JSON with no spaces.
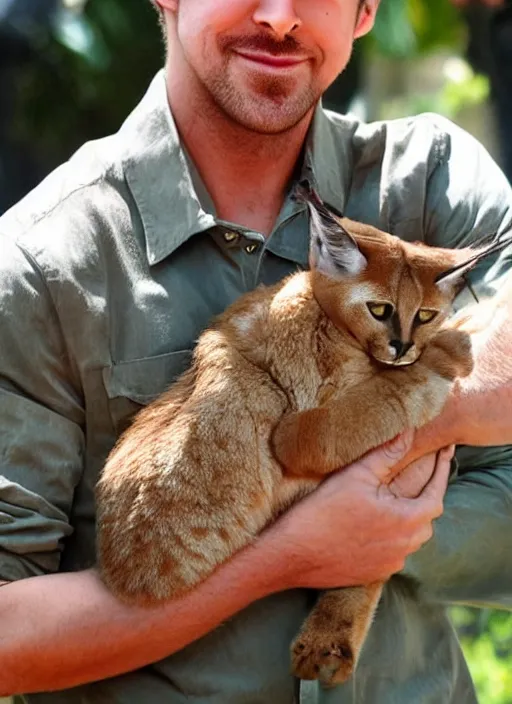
{"x":328,"y":158}
{"x":157,"y":173}
{"x":165,"y":186}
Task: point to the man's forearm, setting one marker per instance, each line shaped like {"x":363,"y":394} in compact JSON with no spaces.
{"x":62,"y":630}
{"x":484,"y":404}
{"x":479,"y":412}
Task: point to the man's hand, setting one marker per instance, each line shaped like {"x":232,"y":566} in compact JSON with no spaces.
{"x":358,"y":526}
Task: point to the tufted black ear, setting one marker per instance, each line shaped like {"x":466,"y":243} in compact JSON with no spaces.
{"x":333,"y":251}
{"x":454,"y":276}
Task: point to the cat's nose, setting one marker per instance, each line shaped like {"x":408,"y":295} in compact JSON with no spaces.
{"x":401,"y":348}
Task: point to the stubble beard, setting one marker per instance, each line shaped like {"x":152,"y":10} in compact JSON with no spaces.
{"x":258,"y":102}
{"x":265,"y":107}
{"x":264,"y":104}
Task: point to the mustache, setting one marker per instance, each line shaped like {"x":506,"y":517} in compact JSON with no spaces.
{"x":263,"y":43}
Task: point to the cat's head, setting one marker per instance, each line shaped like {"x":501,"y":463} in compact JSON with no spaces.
{"x":391,"y":296}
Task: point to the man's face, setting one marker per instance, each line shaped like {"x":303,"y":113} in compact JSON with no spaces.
{"x":264,"y":63}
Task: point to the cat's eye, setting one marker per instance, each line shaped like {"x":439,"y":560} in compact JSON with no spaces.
{"x":381,"y":311}
{"x":425,"y":315}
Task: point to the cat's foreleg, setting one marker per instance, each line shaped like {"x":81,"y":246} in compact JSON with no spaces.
{"x":318,"y":441}
{"x":330,"y":641}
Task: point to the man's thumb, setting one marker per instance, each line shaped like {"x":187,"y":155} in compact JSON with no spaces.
{"x":381,"y":461}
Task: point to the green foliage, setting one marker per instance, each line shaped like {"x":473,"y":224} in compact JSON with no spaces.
{"x":486,"y":638}
{"x":394,"y":34}
{"x":406,"y":28}
{"x":466,"y":88}
{"x":460,"y":88}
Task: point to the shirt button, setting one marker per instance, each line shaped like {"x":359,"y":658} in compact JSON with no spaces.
{"x":230,"y":236}
{"x":251,"y":248}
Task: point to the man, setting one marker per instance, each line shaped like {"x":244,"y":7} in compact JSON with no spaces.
{"x":109,"y":271}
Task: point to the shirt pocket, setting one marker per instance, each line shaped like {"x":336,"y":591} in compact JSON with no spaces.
{"x":134,"y":384}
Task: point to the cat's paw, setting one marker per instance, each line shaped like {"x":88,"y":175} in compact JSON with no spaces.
{"x":450,"y":354}
{"x":327,"y":657}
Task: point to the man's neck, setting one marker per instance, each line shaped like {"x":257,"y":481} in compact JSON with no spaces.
{"x":245,"y":173}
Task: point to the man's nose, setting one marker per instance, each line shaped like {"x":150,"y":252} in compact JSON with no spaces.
{"x":278,"y":16}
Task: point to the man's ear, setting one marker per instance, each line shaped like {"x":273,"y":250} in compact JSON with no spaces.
{"x":366,"y":17}
{"x":169,"y":5}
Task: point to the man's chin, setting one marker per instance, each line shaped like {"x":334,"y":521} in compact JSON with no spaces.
{"x":261,"y":106}
{"x":268,"y":126}
{"x":273,"y":118}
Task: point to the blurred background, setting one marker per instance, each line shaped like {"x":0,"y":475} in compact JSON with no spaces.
{"x":72,"y":70}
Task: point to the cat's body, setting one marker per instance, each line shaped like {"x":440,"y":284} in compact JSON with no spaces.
{"x":282,"y":391}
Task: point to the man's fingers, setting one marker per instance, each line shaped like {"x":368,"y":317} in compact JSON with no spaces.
{"x":429,"y":503}
{"x":380,"y":462}
{"x":421,"y":512}
{"x":436,"y":487}
{"x":412,"y":480}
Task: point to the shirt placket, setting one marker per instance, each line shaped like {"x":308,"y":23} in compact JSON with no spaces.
{"x":245,"y":248}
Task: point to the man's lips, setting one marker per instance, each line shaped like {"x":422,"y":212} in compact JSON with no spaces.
{"x":272,"y":60}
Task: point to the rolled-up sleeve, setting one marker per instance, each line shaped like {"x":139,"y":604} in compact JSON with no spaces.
{"x":41,"y":421}
{"x":469,"y":558}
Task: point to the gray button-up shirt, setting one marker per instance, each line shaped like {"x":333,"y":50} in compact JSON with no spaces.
{"x":110,"y":269}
